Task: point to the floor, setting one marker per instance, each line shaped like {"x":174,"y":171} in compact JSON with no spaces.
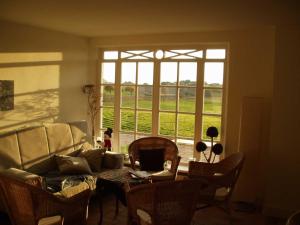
{"x":209,"y":216}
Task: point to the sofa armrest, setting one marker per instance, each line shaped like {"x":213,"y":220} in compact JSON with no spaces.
{"x":113,"y":160}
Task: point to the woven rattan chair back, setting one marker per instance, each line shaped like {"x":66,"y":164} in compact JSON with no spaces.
{"x":223,"y":174}
{"x":171,"y":150}
{"x":168,"y":203}
{"x":27,"y":204}
{"x":294,"y":219}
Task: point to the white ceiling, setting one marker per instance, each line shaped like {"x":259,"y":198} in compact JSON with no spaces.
{"x":92,"y":18}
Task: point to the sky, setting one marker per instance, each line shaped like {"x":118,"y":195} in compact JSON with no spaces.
{"x":213,"y":71}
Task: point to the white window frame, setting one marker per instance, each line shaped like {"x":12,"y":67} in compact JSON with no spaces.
{"x":156,"y":86}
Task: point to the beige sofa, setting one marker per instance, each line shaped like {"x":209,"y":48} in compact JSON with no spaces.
{"x":31,"y":149}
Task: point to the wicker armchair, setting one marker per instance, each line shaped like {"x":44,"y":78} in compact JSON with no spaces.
{"x":294,"y":219}
{"x":164,"y":203}
{"x":170,"y":154}
{"x":30,"y":205}
{"x":221,"y":176}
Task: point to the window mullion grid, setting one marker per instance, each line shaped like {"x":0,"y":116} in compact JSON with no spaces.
{"x":177,"y":105}
{"x":117,"y":108}
{"x":199,"y":105}
{"x":155,"y":96}
{"x":136,"y":99}
{"x":224,"y":100}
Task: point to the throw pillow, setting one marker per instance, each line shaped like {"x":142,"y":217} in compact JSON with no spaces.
{"x":94,"y":158}
{"x":113,"y":160}
{"x":152,"y":159}
{"x":72,"y":165}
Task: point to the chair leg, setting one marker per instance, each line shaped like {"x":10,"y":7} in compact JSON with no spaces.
{"x":117,"y":207}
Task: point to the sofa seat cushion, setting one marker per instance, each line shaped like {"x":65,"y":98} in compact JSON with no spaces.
{"x":72,"y":165}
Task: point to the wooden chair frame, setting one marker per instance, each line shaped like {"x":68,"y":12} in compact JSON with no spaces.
{"x":27,"y":204}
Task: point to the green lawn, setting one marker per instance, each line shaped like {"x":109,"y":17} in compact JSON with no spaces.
{"x":186,"y":122}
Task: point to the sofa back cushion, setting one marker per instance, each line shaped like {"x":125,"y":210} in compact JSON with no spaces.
{"x":60,"y":138}
{"x":34,"y":151}
{"x":9,"y":151}
{"x":33,"y":148}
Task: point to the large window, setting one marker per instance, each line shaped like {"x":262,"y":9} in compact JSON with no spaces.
{"x":175,"y":93}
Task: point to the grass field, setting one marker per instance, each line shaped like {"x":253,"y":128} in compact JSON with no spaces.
{"x":186,"y":122}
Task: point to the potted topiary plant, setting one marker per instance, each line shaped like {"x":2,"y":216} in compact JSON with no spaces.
{"x":217,"y":148}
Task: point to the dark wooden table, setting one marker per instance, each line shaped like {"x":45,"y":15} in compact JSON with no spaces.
{"x":116,"y":181}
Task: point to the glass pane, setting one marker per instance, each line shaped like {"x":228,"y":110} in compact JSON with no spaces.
{"x":138,"y":57}
{"x":215,"y":53}
{"x":186,"y":125}
{"x":183,"y":51}
{"x":168,"y":98}
{"x":213,"y":74}
{"x":125,"y":55}
{"x":212,"y":101}
{"x":149,"y":54}
{"x":187,"y":99}
{"x":138,"y":136}
{"x":138,"y":51}
{"x":198,"y":54}
{"x":108,"y":118}
{"x":125,"y":140}
{"x":187,"y":73}
{"x":208,"y":121}
{"x":170,"y":54}
{"x":127,"y":120}
{"x":144,"y":122}
{"x":145,"y":74}
{"x":108,"y":95}
{"x":186,"y":150}
{"x":167,"y":124}
{"x":128,"y":96}
{"x":128,"y":73}
{"x":145,"y":97}
{"x":168,"y":73}
{"x":108,"y":73}
{"x":110,"y":55}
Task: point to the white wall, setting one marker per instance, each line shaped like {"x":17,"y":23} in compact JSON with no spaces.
{"x":48,"y":69}
{"x":283,"y":183}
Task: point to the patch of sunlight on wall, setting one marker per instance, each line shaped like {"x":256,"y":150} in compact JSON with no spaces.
{"x":20,"y":57}
{"x":36,"y":100}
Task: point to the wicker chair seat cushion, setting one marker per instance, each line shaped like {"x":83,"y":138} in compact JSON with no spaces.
{"x":53,"y":220}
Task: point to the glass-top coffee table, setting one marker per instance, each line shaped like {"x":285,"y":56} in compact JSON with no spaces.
{"x":118,"y":182}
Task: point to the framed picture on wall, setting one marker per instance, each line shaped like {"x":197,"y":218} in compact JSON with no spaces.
{"x":6,"y":95}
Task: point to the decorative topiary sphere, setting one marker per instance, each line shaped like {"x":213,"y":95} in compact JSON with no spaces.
{"x":217,"y":149}
{"x":212,"y":132}
{"x":201,"y":146}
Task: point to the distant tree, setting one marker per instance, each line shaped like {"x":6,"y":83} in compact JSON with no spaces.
{"x":130,"y":90}
{"x":109,"y":89}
